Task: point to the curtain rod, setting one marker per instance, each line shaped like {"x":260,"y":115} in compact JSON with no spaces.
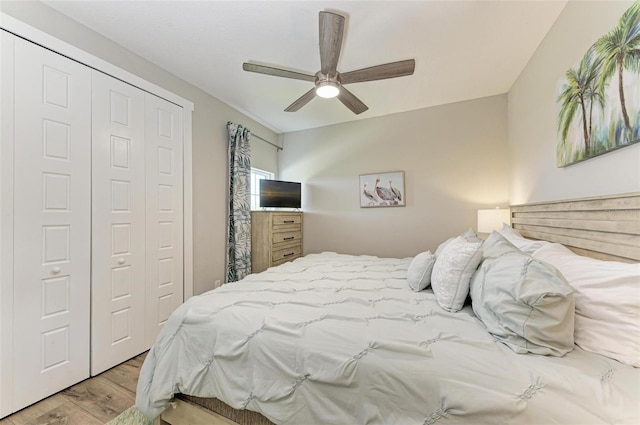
{"x":266,"y":141}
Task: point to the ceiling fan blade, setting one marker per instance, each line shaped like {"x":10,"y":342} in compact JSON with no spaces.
{"x":331,"y":30}
{"x":351,"y":101}
{"x":302,"y":100}
{"x":379,"y":72}
{"x":277,"y":72}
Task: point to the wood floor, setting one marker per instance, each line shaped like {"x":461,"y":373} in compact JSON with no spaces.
{"x":92,"y":402}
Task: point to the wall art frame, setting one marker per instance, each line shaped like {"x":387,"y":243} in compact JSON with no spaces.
{"x":599,"y":97}
{"x":382,"y":190}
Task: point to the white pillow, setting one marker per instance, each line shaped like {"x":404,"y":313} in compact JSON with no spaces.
{"x":452,"y":272}
{"x":528,"y":246}
{"x":469,"y":235}
{"x":419,"y":273}
{"x":524,"y":303}
{"x":607,"y":297}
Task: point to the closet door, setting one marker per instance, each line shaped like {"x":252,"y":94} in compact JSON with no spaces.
{"x":51,"y":223}
{"x":118,"y":223}
{"x":163,"y":135}
{"x":7,"y":43}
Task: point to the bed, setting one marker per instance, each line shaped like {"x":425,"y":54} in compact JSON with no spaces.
{"x":339,"y":339}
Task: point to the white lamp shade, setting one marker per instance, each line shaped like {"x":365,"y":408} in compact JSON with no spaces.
{"x":490,"y":220}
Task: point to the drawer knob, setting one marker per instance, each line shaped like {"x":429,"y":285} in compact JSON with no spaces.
{"x":56,"y":270}
{"x":288,"y":255}
{"x":120,"y":260}
{"x":288,"y":238}
{"x":289,"y":221}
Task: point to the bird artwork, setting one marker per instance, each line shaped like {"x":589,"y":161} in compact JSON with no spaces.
{"x":374,"y":193}
{"x":373,"y":200}
{"x":385,"y":194}
{"x":395,"y":191}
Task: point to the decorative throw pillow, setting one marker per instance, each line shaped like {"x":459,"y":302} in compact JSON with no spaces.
{"x":453,"y":270}
{"x":528,"y":246}
{"x":524,"y":303}
{"x":419,"y":273}
{"x":607,"y":295}
{"x":470,"y":236}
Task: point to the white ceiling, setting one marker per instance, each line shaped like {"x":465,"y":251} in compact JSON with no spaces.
{"x":463,"y":49}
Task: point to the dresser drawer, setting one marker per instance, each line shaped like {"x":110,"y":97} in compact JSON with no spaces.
{"x":286,"y":254}
{"x":284,"y":237}
{"x":284,"y":219}
{"x":285,"y":260}
{"x":286,"y":228}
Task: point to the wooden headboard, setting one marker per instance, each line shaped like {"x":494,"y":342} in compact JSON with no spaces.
{"x":604,"y":227}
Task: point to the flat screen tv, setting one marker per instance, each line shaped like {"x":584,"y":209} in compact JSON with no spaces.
{"x":279,"y":194}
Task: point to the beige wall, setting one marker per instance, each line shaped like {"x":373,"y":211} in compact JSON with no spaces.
{"x":263,"y":155}
{"x":209,"y":133}
{"x":532,"y":115}
{"x":454,"y":158}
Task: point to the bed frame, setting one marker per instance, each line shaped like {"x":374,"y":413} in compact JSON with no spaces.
{"x":603,"y":227}
{"x":188,"y":410}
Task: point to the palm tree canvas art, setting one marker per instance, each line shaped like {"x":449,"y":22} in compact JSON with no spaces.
{"x":382,"y":190}
{"x":599,"y":98}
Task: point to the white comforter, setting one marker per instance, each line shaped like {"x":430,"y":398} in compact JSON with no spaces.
{"x":338,"y":339}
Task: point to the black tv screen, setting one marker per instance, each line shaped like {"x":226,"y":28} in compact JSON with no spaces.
{"x":279,"y":194}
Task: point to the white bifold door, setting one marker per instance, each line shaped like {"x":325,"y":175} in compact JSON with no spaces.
{"x":118,"y":225}
{"x":52,"y":219}
{"x":163,"y":134}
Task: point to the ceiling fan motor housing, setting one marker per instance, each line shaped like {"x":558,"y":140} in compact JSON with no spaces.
{"x":327,"y":86}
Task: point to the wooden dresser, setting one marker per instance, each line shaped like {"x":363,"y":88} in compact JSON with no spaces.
{"x":276,"y":237}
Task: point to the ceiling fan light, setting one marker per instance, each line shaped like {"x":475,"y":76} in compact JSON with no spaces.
{"x":327,"y":89}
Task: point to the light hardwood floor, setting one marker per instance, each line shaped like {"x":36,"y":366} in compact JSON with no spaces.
{"x":94,"y":401}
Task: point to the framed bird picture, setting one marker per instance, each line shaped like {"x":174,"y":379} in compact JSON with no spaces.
{"x":382,"y":190}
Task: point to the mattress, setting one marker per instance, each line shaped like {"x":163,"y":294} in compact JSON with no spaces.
{"x":340,"y":339}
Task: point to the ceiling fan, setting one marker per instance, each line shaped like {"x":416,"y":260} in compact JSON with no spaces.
{"x":328,"y":81}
